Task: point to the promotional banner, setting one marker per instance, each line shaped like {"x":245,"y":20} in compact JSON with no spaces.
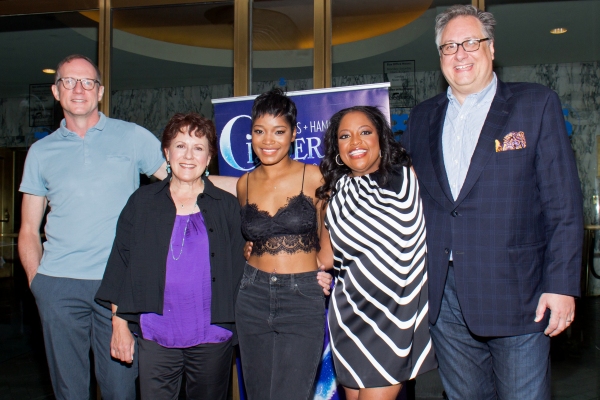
{"x":315,"y":107}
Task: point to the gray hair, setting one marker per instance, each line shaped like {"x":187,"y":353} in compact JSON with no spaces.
{"x":72,"y":57}
{"x":487,"y":20}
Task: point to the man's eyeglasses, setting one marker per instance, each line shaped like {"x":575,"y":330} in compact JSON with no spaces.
{"x":70,"y":83}
{"x":470,"y":45}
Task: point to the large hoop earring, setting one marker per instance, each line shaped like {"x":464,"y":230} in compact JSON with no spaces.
{"x":340,"y":163}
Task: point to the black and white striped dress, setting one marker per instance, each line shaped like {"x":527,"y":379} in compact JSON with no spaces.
{"x":378,"y":310}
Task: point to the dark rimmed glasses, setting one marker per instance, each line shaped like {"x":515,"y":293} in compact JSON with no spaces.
{"x":468,"y":45}
{"x":70,"y":83}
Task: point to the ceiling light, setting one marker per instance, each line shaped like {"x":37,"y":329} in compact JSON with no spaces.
{"x":558,"y":31}
{"x":48,"y":71}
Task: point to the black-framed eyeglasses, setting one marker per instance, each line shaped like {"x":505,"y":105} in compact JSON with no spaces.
{"x":70,"y":83}
{"x":468,"y":45}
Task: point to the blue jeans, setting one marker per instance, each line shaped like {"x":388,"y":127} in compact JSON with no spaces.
{"x":73,"y":323}
{"x":481,"y":368}
{"x":280,"y":320}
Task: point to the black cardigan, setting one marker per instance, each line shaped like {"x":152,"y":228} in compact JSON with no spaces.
{"x":135,"y":274}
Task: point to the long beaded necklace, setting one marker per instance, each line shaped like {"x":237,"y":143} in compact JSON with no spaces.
{"x":184,"y":233}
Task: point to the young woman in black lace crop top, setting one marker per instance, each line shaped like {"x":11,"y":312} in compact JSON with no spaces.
{"x":280,"y":306}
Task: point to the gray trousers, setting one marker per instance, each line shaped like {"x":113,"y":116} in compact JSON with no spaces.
{"x":73,"y":323}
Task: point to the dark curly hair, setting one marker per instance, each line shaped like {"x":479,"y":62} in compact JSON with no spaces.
{"x":276,"y":103}
{"x":392,"y":153}
{"x":195,"y":123}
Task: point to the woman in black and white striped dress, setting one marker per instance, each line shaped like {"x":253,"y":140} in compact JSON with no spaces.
{"x":376,"y":244}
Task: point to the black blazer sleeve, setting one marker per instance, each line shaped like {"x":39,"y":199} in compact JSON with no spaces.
{"x":118,"y":261}
{"x":238,"y":242}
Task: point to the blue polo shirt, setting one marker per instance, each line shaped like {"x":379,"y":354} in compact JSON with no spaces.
{"x":87,"y":182}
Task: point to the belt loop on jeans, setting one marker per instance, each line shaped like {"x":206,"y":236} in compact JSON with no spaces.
{"x":292,"y":280}
{"x":253,"y":274}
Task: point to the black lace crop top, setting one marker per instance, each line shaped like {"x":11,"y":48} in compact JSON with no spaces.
{"x":293,"y":228}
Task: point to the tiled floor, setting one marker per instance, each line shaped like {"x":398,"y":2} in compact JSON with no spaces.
{"x":24,"y":375}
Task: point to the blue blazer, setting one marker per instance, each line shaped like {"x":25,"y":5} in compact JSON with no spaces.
{"x":516,"y":228}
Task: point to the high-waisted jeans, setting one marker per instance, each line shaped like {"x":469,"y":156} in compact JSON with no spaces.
{"x":280,"y":320}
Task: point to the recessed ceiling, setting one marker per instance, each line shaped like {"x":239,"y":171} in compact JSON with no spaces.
{"x":277,"y":25}
{"x":34,"y":42}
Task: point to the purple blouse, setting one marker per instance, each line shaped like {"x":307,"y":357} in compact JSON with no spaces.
{"x":186,"y":313}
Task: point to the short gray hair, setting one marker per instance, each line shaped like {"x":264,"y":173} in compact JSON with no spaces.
{"x":487,"y":20}
{"x":72,"y":57}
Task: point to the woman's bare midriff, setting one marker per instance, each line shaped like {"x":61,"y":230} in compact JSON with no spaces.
{"x":284,"y":263}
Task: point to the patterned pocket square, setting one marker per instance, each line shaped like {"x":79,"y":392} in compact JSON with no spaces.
{"x":512,"y":141}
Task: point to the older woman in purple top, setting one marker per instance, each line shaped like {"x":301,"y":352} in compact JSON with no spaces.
{"x":174,"y":271}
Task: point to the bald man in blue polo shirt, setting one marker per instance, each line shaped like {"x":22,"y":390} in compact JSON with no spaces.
{"x":85,"y":171}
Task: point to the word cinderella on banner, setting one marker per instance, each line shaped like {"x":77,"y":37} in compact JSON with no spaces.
{"x":315,"y":107}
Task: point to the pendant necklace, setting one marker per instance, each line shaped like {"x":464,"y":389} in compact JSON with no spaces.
{"x":182,"y":240}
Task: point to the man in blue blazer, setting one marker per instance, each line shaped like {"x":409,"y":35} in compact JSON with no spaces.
{"x":503,"y":210}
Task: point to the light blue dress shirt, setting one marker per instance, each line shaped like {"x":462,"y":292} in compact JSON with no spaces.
{"x":462,"y":127}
